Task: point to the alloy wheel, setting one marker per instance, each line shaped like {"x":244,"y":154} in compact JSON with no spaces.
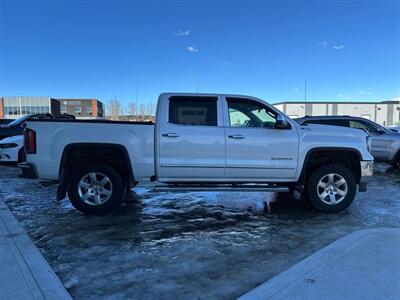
{"x":332,"y":188}
{"x":95,"y":188}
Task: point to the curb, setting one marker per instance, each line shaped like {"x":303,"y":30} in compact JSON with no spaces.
{"x":279,"y":286}
{"x":39,"y":276}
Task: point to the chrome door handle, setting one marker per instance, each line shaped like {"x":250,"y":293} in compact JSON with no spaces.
{"x":171,"y":134}
{"x":236,"y":136}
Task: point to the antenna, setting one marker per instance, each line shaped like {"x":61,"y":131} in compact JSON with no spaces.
{"x":196,"y":85}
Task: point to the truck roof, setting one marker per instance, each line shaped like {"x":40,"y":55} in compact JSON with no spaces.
{"x":168,"y":94}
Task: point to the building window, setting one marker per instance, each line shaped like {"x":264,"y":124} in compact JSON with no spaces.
{"x":89,"y":110}
{"x":78,"y":110}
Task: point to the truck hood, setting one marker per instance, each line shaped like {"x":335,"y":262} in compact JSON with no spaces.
{"x":334,"y":129}
{"x":333,"y":137}
{"x":329,"y":131}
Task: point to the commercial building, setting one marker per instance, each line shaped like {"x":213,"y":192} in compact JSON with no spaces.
{"x":17,"y":106}
{"x":386,"y":113}
{"x":14,"y":107}
{"x":82,"y":108}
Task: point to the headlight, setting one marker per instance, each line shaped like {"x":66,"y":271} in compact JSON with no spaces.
{"x":369,"y":141}
{"x":8,"y":145}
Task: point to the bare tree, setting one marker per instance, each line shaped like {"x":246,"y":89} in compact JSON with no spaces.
{"x":114,"y":109}
{"x":150,"y":109}
{"x":132,"y":108}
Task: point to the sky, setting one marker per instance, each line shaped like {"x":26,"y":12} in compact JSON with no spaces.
{"x":135,"y":50}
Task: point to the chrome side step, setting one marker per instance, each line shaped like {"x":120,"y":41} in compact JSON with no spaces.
{"x":220,"y":188}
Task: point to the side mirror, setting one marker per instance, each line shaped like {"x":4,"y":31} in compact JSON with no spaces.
{"x":281,"y":122}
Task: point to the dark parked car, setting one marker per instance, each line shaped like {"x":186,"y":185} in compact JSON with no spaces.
{"x":5,"y":121}
{"x":385,"y":143}
{"x":17,"y":126}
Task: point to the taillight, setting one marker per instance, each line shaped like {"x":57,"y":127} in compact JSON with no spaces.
{"x":30,"y":141}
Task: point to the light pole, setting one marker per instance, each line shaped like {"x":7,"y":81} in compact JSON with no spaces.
{"x":305,"y":95}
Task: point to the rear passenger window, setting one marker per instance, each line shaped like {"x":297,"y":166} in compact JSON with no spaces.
{"x":193,"y":110}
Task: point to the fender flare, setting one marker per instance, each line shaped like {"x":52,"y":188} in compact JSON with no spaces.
{"x":312,"y":150}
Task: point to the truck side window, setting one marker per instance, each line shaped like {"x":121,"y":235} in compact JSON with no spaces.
{"x":193,"y":110}
{"x":248,"y":113}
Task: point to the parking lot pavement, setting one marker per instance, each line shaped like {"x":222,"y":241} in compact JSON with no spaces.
{"x":187,"y":245}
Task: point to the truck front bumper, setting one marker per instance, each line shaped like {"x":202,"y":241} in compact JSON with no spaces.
{"x":28,"y":170}
{"x":367,"y":170}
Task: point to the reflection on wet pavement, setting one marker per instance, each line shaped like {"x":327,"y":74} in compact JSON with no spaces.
{"x":186,"y":245}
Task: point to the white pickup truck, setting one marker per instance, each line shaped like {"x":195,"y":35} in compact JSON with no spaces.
{"x":200,"y":142}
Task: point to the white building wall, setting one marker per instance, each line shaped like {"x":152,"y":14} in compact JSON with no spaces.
{"x":377,"y":112}
{"x":280,"y":107}
{"x":319,"y":109}
{"x":382,"y":114}
{"x":357,"y":110}
{"x":295,"y":110}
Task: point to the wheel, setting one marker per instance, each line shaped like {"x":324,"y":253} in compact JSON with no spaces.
{"x":96,"y":189}
{"x":331,"y":188}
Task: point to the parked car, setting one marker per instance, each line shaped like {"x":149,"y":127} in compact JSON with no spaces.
{"x":200,"y":142}
{"x":12,"y":149}
{"x":5,"y":121}
{"x":16,"y":127}
{"x":395,"y":129}
{"x":385,"y":143}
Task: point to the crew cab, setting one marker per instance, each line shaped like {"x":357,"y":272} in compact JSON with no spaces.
{"x":199,"y":142}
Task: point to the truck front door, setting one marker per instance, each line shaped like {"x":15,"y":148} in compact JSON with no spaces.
{"x":255,"y":149}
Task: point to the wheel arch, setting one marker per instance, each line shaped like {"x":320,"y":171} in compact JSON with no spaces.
{"x":396,"y":158}
{"x":330,"y":153}
{"x":119,"y":160}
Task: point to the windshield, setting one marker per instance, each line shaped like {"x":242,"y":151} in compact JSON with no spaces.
{"x":19,"y":121}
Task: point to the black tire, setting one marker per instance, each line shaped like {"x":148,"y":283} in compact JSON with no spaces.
{"x":21,"y":155}
{"x":111,"y":203}
{"x":321,"y":172}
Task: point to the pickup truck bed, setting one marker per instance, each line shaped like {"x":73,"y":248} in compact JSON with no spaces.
{"x":138,"y":138}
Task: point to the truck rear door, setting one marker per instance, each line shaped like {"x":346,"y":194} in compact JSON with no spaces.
{"x":190,"y":138}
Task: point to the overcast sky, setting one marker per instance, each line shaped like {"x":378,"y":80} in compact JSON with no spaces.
{"x":348,"y":50}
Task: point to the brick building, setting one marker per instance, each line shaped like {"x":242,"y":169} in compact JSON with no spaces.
{"x":82,"y":108}
{"x":13,"y":107}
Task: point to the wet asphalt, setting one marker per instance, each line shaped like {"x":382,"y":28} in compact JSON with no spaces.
{"x":186,"y":245}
